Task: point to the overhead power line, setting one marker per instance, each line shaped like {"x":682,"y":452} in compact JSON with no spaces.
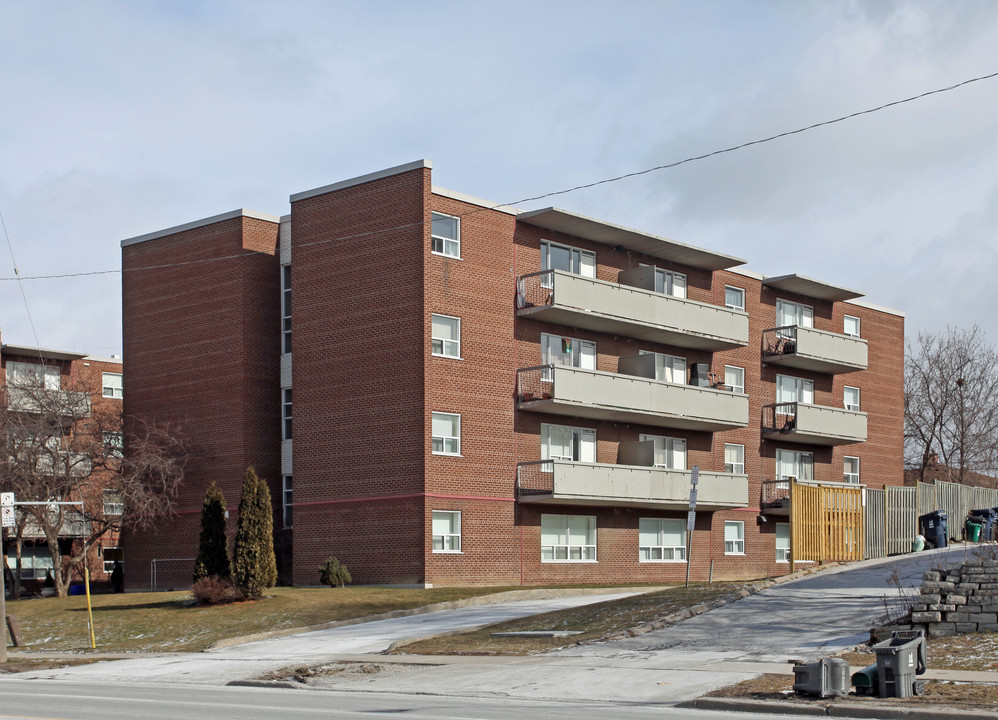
{"x":565,"y":191}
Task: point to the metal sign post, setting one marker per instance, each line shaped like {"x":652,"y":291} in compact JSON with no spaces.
{"x":691,"y":517}
{"x":7,"y":514}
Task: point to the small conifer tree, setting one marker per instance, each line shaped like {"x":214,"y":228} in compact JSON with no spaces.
{"x":254,"y":563}
{"x":213,"y":550}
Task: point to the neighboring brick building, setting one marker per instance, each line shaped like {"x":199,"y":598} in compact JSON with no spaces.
{"x":87,"y":393}
{"x":484,"y":395}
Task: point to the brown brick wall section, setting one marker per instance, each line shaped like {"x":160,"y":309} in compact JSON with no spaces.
{"x":201,"y":350}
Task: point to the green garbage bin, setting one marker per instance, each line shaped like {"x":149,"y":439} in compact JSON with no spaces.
{"x":974,"y":530}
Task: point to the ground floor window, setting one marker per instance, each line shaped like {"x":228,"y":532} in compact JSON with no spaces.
{"x":36,"y":562}
{"x":782,"y":542}
{"x":568,"y":538}
{"x":111,"y":556}
{"x":446,"y":531}
{"x":661,"y":540}
{"x":734,"y":537}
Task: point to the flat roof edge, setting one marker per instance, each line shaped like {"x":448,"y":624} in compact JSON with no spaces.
{"x":879,"y":308}
{"x":201,"y":223}
{"x":361,"y":179}
{"x":472,"y":200}
{"x":48,"y":354}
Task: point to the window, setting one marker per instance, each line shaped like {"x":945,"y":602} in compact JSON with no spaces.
{"x":111,"y":556}
{"x":734,"y":298}
{"x":850,"y":326}
{"x":734,"y":378}
{"x":791,"y":313}
{"x":114,"y":503}
{"x":670,"y":368}
{"x":850,"y":397}
{"x":850,"y":470}
{"x":569,"y":259}
{"x":112,"y":385}
{"x":287,"y":414}
{"x":669,"y":452}
{"x":670,"y":283}
{"x":36,"y":562}
{"x":445,"y":232}
{"x":445,"y":336}
{"x":286,"y":500}
{"x":782,"y":542}
{"x":446,"y":531}
{"x":734,"y":537}
{"x":791,"y":389}
{"x":446,"y":433}
{"x":661,"y":540}
{"x":114,"y":444}
{"x":734,"y":458}
{"x":286,"y":306}
{"x":568,"y":538}
{"x":570,"y":352}
{"x":33,"y":375}
{"x":562,"y":442}
{"x":794,"y":464}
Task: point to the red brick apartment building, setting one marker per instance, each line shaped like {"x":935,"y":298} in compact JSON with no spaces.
{"x":488,"y":396}
{"x":86,"y":393}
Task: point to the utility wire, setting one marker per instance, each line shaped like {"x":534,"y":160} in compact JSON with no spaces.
{"x":554,"y":193}
{"x":20,"y":284}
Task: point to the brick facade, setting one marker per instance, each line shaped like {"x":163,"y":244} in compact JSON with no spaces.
{"x":202,"y":347}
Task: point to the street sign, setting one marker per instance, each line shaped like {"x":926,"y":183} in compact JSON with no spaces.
{"x":6,"y":499}
{"x":691,"y":520}
{"x":7,"y":513}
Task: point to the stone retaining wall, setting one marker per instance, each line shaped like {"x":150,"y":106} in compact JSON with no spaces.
{"x":958,"y":600}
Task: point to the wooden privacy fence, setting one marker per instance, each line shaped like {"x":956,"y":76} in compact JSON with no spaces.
{"x":826,"y":522}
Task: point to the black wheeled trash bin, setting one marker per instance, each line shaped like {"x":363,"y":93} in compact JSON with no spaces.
{"x":932,"y":527}
{"x":987,"y":534}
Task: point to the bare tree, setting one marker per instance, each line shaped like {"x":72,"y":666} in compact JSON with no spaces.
{"x":74,"y":483}
{"x":951,"y":403}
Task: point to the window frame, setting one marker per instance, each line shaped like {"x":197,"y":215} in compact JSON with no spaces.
{"x":287,"y":501}
{"x":670,"y":450}
{"x":847,"y":475}
{"x":736,"y":468}
{"x":587,"y":550}
{"x":444,"y":537}
{"x":580,"y":359}
{"x":662,"y":549}
{"x":845,"y":326}
{"x":455,"y":440}
{"x":802,"y":387}
{"x":737,"y":544}
{"x":576,"y":255}
{"x":782,"y":553}
{"x":577,"y":440}
{"x":798,"y":464}
{"x":664,"y":278}
{"x":35,"y":376}
{"x":117,"y":555}
{"x":117,"y":391}
{"x":444,"y":341}
{"x":669,"y":366}
{"x":803,"y":314}
{"x":845,"y":398}
{"x":446,"y":242}
{"x":740,"y":389}
{"x":113,"y":443}
{"x":286,"y":308}
{"x":740,"y":292}
{"x":286,"y":415}
{"x":112,"y":502}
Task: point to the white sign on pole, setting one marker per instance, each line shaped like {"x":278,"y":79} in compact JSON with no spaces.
{"x":6,"y":499}
{"x":7,"y":514}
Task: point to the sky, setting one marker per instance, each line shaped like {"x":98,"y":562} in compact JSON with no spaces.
{"x":122,"y":118}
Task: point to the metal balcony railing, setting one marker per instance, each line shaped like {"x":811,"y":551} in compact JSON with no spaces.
{"x":780,"y":417}
{"x":779,"y":341}
{"x":535,"y":383}
{"x":535,"y":477}
{"x":535,"y":289}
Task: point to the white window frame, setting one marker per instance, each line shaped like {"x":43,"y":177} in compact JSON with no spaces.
{"x":569,"y":551}
{"x":112,"y":385}
{"x":448,"y":347}
{"x":114,"y":444}
{"x":112,"y":502}
{"x":668,"y":365}
{"x":116,"y":553}
{"x":734,"y":541}
{"x":670,"y":452}
{"x":850,"y":477}
{"x":734,"y":377}
{"x":733,"y":304}
{"x":286,"y":308}
{"x":802,"y":315}
{"x":448,"y":444}
{"x":287,"y":501}
{"x":802,"y":391}
{"x":566,"y":351}
{"x":286,"y":425}
{"x":670,"y":283}
{"x":847,"y":402}
{"x":846,"y":330}
{"x":36,"y":562}
{"x":449,"y":542}
{"x":734,"y":462}
{"x":782,"y":542}
{"x":581,"y":262}
{"x":660,"y":551}
{"x":36,"y":376}
{"x":581,"y":441}
{"x":800,"y":463}
{"x":441,"y":244}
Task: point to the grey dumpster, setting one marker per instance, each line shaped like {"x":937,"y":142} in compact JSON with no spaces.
{"x":828,"y":677}
{"x":899,"y":660}
{"x":933,"y":527}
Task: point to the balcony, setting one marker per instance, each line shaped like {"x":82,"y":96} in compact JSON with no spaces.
{"x":813,"y":424}
{"x":775,"y":494}
{"x":817,"y":350}
{"x":569,"y":391}
{"x":562,"y":482}
{"x":620,"y":309}
{"x":56,"y":403}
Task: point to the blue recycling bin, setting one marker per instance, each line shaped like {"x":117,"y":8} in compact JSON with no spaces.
{"x":989,"y":517}
{"x":932,"y":526}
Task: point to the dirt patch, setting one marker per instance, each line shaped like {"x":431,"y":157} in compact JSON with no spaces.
{"x":338,"y":674}
{"x":19,"y":665}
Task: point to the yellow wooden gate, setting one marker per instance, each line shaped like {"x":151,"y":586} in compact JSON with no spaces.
{"x":826,"y":523}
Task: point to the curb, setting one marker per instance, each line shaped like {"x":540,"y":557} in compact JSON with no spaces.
{"x":843,"y":709}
